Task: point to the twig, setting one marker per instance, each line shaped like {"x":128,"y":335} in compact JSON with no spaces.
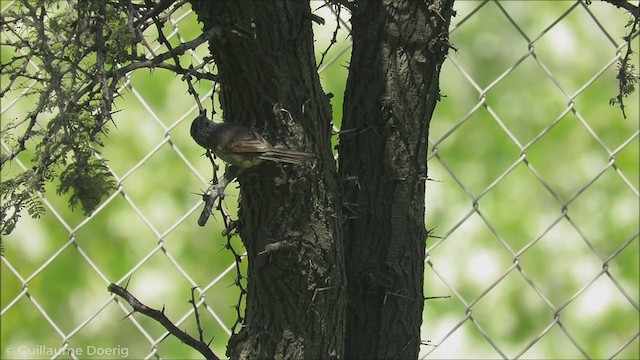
{"x":333,"y":37}
{"x":351,"y":6}
{"x":187,"y":76}
{"x":230,"y":227}
{"x":437,"y":297}
{"x":160,"y":7}
{"x":178,"y":50}
{"x":276,"y":246}
{"x":161,"y":318}
{"x":153,"y":63}
{"x":230,"y":230}
{"x":196,"y":313}
{"x":626,"y":72}
{"x":101,"y":55}
{"x":214,"y":192}
{"x":634,"y":10}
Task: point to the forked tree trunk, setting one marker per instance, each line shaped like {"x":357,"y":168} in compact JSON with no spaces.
{"x":392,"y":90}
{"x":296,"y":304}
{"x":297,"y":295}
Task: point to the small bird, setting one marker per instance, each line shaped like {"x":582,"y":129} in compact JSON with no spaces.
{"x":239,"y":145}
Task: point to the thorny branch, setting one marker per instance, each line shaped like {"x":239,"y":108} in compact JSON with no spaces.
{"x":72,"y":57}
{"x":627,"y":75}
{"x":196,"y":314}
{"x":213,"y":194}
{"x":231,"y":228}
{"x":632,"y":9}
{"x":349,"y":5}
{"x":334,"y":37}
{"x":162,"y":319}
{"x":173,"y":53}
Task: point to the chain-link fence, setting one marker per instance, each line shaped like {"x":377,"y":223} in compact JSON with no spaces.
{"x":534,"y":203}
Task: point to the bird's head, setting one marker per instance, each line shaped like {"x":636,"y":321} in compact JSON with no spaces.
{"x":201,"y":129}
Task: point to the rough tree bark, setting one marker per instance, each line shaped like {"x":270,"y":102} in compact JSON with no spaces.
{"x":392,"y":89}
{"x":296,"y":296}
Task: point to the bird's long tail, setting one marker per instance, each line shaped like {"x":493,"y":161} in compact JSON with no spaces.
{"x":287,"y":156}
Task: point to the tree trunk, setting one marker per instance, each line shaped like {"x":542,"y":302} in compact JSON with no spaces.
{"x":296,"y":295}
{"x":392,"y":90}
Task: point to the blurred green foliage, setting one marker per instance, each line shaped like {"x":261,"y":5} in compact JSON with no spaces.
{"x":524,"y":156}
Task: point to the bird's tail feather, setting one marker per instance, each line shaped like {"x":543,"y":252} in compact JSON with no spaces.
{"x":287,"y":156}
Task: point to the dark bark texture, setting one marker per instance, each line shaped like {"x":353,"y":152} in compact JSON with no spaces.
{"x":392,"y":89}
{"x":296,"y":295}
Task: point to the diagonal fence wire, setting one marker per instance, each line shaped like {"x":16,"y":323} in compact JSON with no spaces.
{"x":564,"y":205}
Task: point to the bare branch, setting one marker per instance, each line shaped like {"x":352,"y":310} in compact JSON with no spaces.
{"x":351,"y":6}
{"x":214,"y":192}
{"x":333,"y":37}
{"x":158,"y":60}
{"x":627,"y":75}
{"x":196,"y":314}
{"x":159,"y":8}
{"x":634,"y":10}
{"x":162,"y":319}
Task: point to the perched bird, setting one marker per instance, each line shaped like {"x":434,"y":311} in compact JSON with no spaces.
{"x":239,"y":145}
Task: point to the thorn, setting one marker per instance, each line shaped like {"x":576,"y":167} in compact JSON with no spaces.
{"x":129,"y":314}
{"x":426,"y":343}
{"x":436,"y":297}
{"x":127,"y":283}
{"x":430,"y":179}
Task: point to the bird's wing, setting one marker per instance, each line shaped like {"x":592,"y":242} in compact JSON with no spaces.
{"x":247,"y":141}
